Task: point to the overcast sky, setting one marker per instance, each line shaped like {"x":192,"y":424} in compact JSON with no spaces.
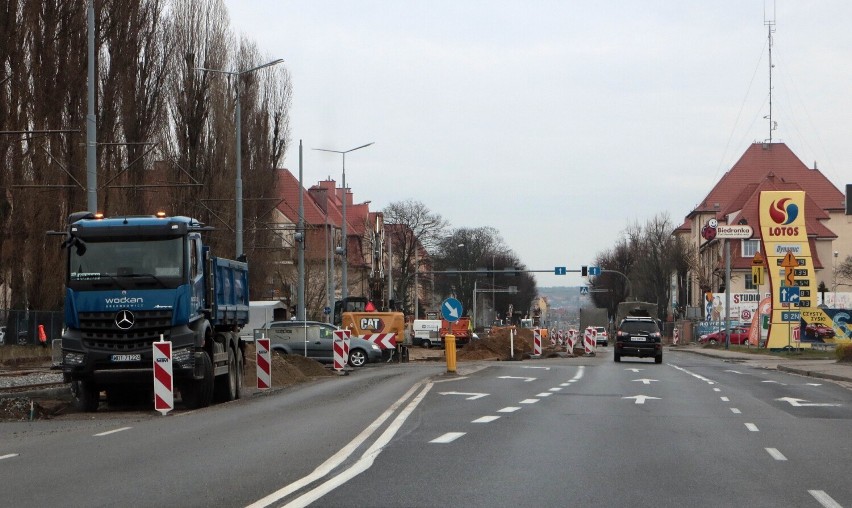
{"x":556,"y":122}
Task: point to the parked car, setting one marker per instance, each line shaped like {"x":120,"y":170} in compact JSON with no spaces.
{"x":601,"y":336}
{"x":819,"y":331}
{"x":739,"y":336}
{"x":638,"y":336}
{"x":317,"y":339}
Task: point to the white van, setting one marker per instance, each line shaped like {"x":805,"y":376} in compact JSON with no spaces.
{"x":426,"y":332}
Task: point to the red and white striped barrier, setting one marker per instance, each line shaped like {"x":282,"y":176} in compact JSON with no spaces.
{"x":383,"y":340}
{"x":552,"y":339}
{"x":164,"y":394}
{"x":589,"y":340}
{"x":675,"y":336}
{"x":536,"y":341}
{"x":337,"y":347}
{"x":264,"y":364}
{"x":571,"y":340}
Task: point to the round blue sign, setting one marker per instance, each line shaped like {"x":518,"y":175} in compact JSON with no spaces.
{"x":326,"y":311}
{"x":451,"y":310}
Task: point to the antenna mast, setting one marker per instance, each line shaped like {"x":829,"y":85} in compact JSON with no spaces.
{"x":770,"y":26}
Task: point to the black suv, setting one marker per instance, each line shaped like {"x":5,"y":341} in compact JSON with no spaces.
{"x":638,"y":336}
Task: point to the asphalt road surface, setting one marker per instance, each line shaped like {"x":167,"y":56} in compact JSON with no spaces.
{"x":694,"y":431}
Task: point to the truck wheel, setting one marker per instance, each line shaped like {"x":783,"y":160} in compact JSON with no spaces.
{"x":616,"y":357}
{"x":658,"y":359}
{"x":357,"y":358}
{"x":226,"y":386}
{"x":197,"y":393}
{"x":86,"y":395}
{"x":426,"y":343}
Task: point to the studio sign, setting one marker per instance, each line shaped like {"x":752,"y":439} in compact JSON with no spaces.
{"x":740,"y":231}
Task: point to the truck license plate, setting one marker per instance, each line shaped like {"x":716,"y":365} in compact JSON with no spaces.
{"x":638,"y":339}
{"x":127,"y":358}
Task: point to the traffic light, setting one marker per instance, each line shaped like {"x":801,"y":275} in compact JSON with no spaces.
{"x":584,"y":271}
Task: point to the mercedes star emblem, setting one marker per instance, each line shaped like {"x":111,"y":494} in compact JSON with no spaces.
{"x":124,"y":319}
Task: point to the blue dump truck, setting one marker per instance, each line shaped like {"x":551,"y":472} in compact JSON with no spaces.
{"x":134,"y":279}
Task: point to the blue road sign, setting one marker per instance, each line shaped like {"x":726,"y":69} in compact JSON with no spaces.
{"x":560,"y":270}
{"x":451,"y":309}
{"x":594,"y":270}
{"x":789,"y":294}
{"x":326,"y":310}
{"x":584,"y":290}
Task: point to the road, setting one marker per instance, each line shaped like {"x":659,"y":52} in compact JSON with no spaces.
{"x":693,"y":431}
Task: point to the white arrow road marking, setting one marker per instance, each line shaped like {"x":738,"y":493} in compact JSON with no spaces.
{"x":449,"y":437}
{"x":509,"y":409}
{"x":545,"y":368}
{"x":640,"y":399}
{"x":804,"y":403}
{"x":773,"y":381}
{"x":752,"y":427}
{"x":526,"y":379}
{"x":452,"y":311}
{"x":645,"y":381}
{"x":486,"y":419}
{"x":635,"y":370}
{"x":775,"y":454}
{"x":734,"y":371}
{"x":112,"y":431}
{"x":824,"y":499}
{"x":472,"y":396}
{"x":8,"y":456}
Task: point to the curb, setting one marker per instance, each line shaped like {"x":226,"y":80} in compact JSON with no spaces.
{"x":813,"y":373}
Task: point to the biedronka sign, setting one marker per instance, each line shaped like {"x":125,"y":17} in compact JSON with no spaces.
{"x":783,"y":231}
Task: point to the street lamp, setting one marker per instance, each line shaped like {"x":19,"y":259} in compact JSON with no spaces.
{"x":344,"y":291}
{"x":238,"y":115}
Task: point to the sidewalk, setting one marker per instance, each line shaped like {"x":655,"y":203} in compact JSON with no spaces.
{"x":823,"y":369}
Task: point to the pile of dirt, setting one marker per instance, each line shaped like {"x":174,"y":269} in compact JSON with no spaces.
{"x":498,"y":345}
{"x":24,"y":408}
{"x":286,"y":369}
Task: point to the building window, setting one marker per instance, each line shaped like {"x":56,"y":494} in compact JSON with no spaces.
{"x":750,"y":248}
{"x":749,"y":283}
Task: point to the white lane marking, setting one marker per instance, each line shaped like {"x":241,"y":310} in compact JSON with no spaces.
{"x":8,"y":456}
{"x":486,"y":419}
{"x":451,"y":379}
{"x":734,"y":371}
{"x":449,"y":437}
{"x":645,"y":381}
{"x":509,"y":409}
{"x":717,"y":389}
{"x":776,"y":382}
{"x":635,"y":370}
{"x":775,"y":454}
{"x":736,"y":411}
{"x":473,"y":396}
{"x":752,"y":427}
{"x":814,"y":384}
{"x":824,"y":499}
{"x":545,"y":368}
{"x":526,"y":379}
{"x":338,"y":458}
{"x":803,"y":403}
{"x":529,"y":401}
{"x":579,"y":375}
{"x":725,"y":399}
{"x":366,"y":461}
{"x":544,"y":394}
{"x":557,"y":389}
{"x":640,"y":399}
{"x":565,"y":384}
{"x":122,"y":429}
{"x":696,"y":376}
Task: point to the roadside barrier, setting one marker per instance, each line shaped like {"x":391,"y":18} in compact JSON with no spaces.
{"x":340,"y":349}
{"x":560,"y":337}
{"x":589,"y":341}
{"x":264,"y":364}
{"x":450,"y":352}
{"x":537,"y":342}
{"x":164,"y":395}
{"x":571,"y":340}
{"x":675,"y":336}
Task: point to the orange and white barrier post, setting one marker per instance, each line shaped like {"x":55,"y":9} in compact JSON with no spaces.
{"x":560,"y":337}
{"x":571,"y":341}
{"x":42,"y":337}
{"x":589,"y":341}
{"x":536,"y":341}
{"x":264,"y":364}
{"x":675,"y":336}
{"x":339,"y":347}
{"x":164,"y":394}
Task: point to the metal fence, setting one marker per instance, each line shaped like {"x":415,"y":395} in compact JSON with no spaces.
{"x":21,"y":326}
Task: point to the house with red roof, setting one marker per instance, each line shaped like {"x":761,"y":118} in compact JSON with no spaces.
{"x":734,"y":200}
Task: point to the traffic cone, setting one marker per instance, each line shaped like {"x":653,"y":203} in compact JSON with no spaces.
{"x":42,"y":337}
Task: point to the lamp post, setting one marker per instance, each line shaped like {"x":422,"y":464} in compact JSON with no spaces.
{"x":344,"y":291}
{"x":239,"y":179}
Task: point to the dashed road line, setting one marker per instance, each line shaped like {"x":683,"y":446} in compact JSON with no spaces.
{"x":824,"y":499}
{"x":696,"y":376}
{"x":544,"y":394}
{"x":565,"y":384}
{"x":752,"y":427}
{"x":717,"y":389}
{"x":725,"y":399}
{"x":529,"y":401}
{"x":122,"y":429}
{"x":556,"y":389}
{"x":449,"y":437}
{"x":509,"y":409}
{"x":736,"y":411}
{"x":8,"y":456}
{"x":486,"y":419}
{"x":775,"y":454}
